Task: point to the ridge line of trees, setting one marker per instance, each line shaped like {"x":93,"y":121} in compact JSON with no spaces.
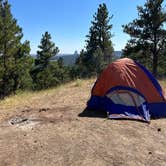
{"x":18,"y":70}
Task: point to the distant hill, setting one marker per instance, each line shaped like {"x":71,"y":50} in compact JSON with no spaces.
{"x":69,"y":59}
{"x":117,"y":54}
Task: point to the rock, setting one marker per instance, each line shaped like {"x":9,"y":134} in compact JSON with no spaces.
{"x":43,"y":109}
{"x":150,"y":152}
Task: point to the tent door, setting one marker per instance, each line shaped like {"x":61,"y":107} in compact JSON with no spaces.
{"x":127,"y":104}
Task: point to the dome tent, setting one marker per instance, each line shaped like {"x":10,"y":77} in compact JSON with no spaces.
{"x":126,"y":89}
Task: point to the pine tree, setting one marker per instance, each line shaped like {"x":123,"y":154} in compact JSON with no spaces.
{"x":148,"y":36}
{"x":99,"y":33}
{"x":80,"y":68}
{"x":10,"y":46}
{"x":63,"y":71}
{"x":47,"y":50}
{"x":99,"y":38}
{"x":103,"y":28}
{"x":43,"y":70}
{"x":22,"y":66}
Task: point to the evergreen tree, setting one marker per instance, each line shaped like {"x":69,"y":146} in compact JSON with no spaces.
{"x":80,"y":68}
{"x":22,"y":66}
{"x":63,"y":72}
{"x":99,"y":38}
{"x":47,"y":51}
{"x":60,"y":62}
{"x":148,"y":36}
{"x":11,"y":51}
{"x":98,"y":60}
{"x":103,"y":28}
{"x":43,"y":70}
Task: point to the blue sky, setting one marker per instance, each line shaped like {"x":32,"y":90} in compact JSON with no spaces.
{"x":68,"y":21}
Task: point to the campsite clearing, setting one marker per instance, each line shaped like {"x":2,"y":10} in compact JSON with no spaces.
{"x":43,"y":128}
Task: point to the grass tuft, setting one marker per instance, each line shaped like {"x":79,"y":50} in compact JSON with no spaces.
{"x":163,"y":83}
{"x":78,"y":83}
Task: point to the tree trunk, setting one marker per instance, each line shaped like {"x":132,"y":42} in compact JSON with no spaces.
{"x":16,"y":83}
{"x":4,"y":78}
{"x":155,"y":56}
{"x":155,"y":64}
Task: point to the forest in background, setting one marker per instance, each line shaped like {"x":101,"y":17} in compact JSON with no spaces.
{"x":20,"y":71}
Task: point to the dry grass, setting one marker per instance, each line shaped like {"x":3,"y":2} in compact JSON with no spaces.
{"x":59,"y":137}
{"x":163,"y":83}
{"x":38,"y":99}
{"x":28,"y":98}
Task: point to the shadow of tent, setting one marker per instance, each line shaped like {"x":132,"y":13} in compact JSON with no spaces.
{"x":93,"y":113}
{"x":102,"y":114}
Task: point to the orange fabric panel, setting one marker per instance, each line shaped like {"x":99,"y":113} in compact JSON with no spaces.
{"x":125,"y":72}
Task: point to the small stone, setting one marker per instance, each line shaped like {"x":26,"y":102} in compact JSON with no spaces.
{"x":43,"y":109}
{"x":150,"y":152}
{"x":159,"y":129}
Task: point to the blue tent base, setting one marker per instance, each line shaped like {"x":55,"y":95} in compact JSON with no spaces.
{"x":117,"y":111}
{"x":127,"y":118}
{"x":157,"y":110}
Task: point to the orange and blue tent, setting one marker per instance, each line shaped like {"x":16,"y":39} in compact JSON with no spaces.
{"x":126,"y":89}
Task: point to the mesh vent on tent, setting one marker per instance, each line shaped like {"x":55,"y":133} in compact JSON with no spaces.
{"x":125,"y":97}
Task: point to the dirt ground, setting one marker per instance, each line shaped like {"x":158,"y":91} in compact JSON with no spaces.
{"x":46,"y":130}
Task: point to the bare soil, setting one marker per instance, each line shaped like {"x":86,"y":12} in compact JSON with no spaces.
{"x":47,"y":130}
